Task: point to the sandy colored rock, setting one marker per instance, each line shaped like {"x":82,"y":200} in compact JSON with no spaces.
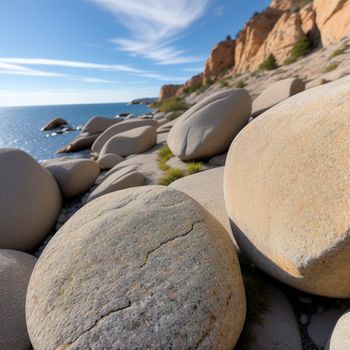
{"x":109,"y":160}
{"x":75,"y":176}
{"x":332,"y":19}
{"x":194,"y":83}
{"x":117,"y":129}
{"x":15,"y":270}
{"x":221,"y":57}
{"x":139,"y":268}
{"x":167,"y":91}
{"x":30,"y":201}
{"x":54,"y":123}
{"x":97,"y":125}
{"x":208,"y":128}
{"x":129,"y":142}
{"x":276,"y":93}
{"x":166,"y":127}
{"x":124,"y":178}
{"x":287,"y":194}
{"x":314,"y":83}
{"x":207,"y":189}
{"x":340,"y":338}
{"x":79,"y":143}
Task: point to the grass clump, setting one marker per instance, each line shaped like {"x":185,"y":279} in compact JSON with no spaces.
{"x":269,"y":64}
{"x":190,"y":90}
{"x":175,"y":103}
{"x":224,"y":83}
{"x":301,"y":47}
{"x":241,"y":84}
{"x":170,"y":176}
{"x":207,"y":82}
{"x":331,"y":67}
{"x":337,"y":52}
{"x":164,"y":154}
{"x":290,"y":60}
{"x":194,"y":167}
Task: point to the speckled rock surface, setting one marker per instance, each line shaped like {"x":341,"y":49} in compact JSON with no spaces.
{"x":287,"y":191}
{"x":15,"y":270}
{"x":145,"y":268}
{"x":30,"y":200}
{"x":75,"y":176}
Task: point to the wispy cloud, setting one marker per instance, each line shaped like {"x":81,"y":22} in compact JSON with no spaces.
{"x":154,"y":25}
{"x":17,"y":66}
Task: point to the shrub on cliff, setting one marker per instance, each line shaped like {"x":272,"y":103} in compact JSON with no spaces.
{"x":269,"y":64}
{"x":175,"y":103}
{"x":190,"y":90}
{"x":301,"y":47}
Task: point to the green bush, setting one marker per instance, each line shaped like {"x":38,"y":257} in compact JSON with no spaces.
{"x":207,"y":82}
{"x":305,"y":2}
{"x":269,"y":64}
{"x":190,"y":90}
{"x":241,"y":84}
{"x":164,"y":154}
{"x":290,"y":60}
{"x":337,"y":52}
{"x":175,"y":103}
{"x":194,"y":167}
{"x":301,"y":47}
{"x":224,"y":83}
{"x":331,"y":67}
{"x":170,"y":176}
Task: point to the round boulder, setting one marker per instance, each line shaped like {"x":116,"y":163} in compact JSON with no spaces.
{"x":124,"y":178}
{"x":146,"y":267}
{"x":75,"y":176}
{"x":276,"y":93}
{"x":30,"y":200}
{"x":287,"y":190}
{"x":208,"y":128}
{"x":15,"y":270}
{"x":117,"y":129}
{"x":97,"y":125}
{"x":130,"y":142}
{"x":54,"y":124}
{"x":109,"y":160}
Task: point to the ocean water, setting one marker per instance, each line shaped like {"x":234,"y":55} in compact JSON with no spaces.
{"x":20,"y":126}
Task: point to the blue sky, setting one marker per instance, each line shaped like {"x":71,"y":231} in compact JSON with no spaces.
{"x":87,"y":51}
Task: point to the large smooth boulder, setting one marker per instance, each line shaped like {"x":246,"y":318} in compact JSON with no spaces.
{"x":207,"y":189}
{"x":75,"y":176}
{"x":30,"y":201}
{"x":117,"y":129}
{"x":79,"y":143}
{"x":208,"y":128}
{"x":130,"y":142}
{"x":54,"y":124}
{"x":97,"y":125}
{"x":276,"y":93}
{"x":109,"y":160}
{"x":124,"y":178}
{"x":15,"y":270}
{"x":340,"y":338}
{"x":143,"y":268}
{"x":287,"y":191}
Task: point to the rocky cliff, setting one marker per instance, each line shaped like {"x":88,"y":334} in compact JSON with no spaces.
{"x":274,"y":31}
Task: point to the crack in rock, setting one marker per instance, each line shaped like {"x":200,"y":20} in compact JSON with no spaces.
{"x":96,"y":323}
{"x":169,"y":241}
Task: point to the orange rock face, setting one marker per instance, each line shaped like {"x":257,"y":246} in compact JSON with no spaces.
{"x":222,"y":57}
{"x":285,"y":5}
{"x":167,"y":91}
{"x":252,"y":37}
{"x":333,"y":19}
{"x":194,"y":82}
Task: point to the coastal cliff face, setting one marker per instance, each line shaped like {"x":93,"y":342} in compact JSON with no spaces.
{"x":169,"y":90}
{"x":274,"y":31}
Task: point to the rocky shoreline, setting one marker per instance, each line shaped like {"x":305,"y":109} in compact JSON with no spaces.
{"x":126,"y":263}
